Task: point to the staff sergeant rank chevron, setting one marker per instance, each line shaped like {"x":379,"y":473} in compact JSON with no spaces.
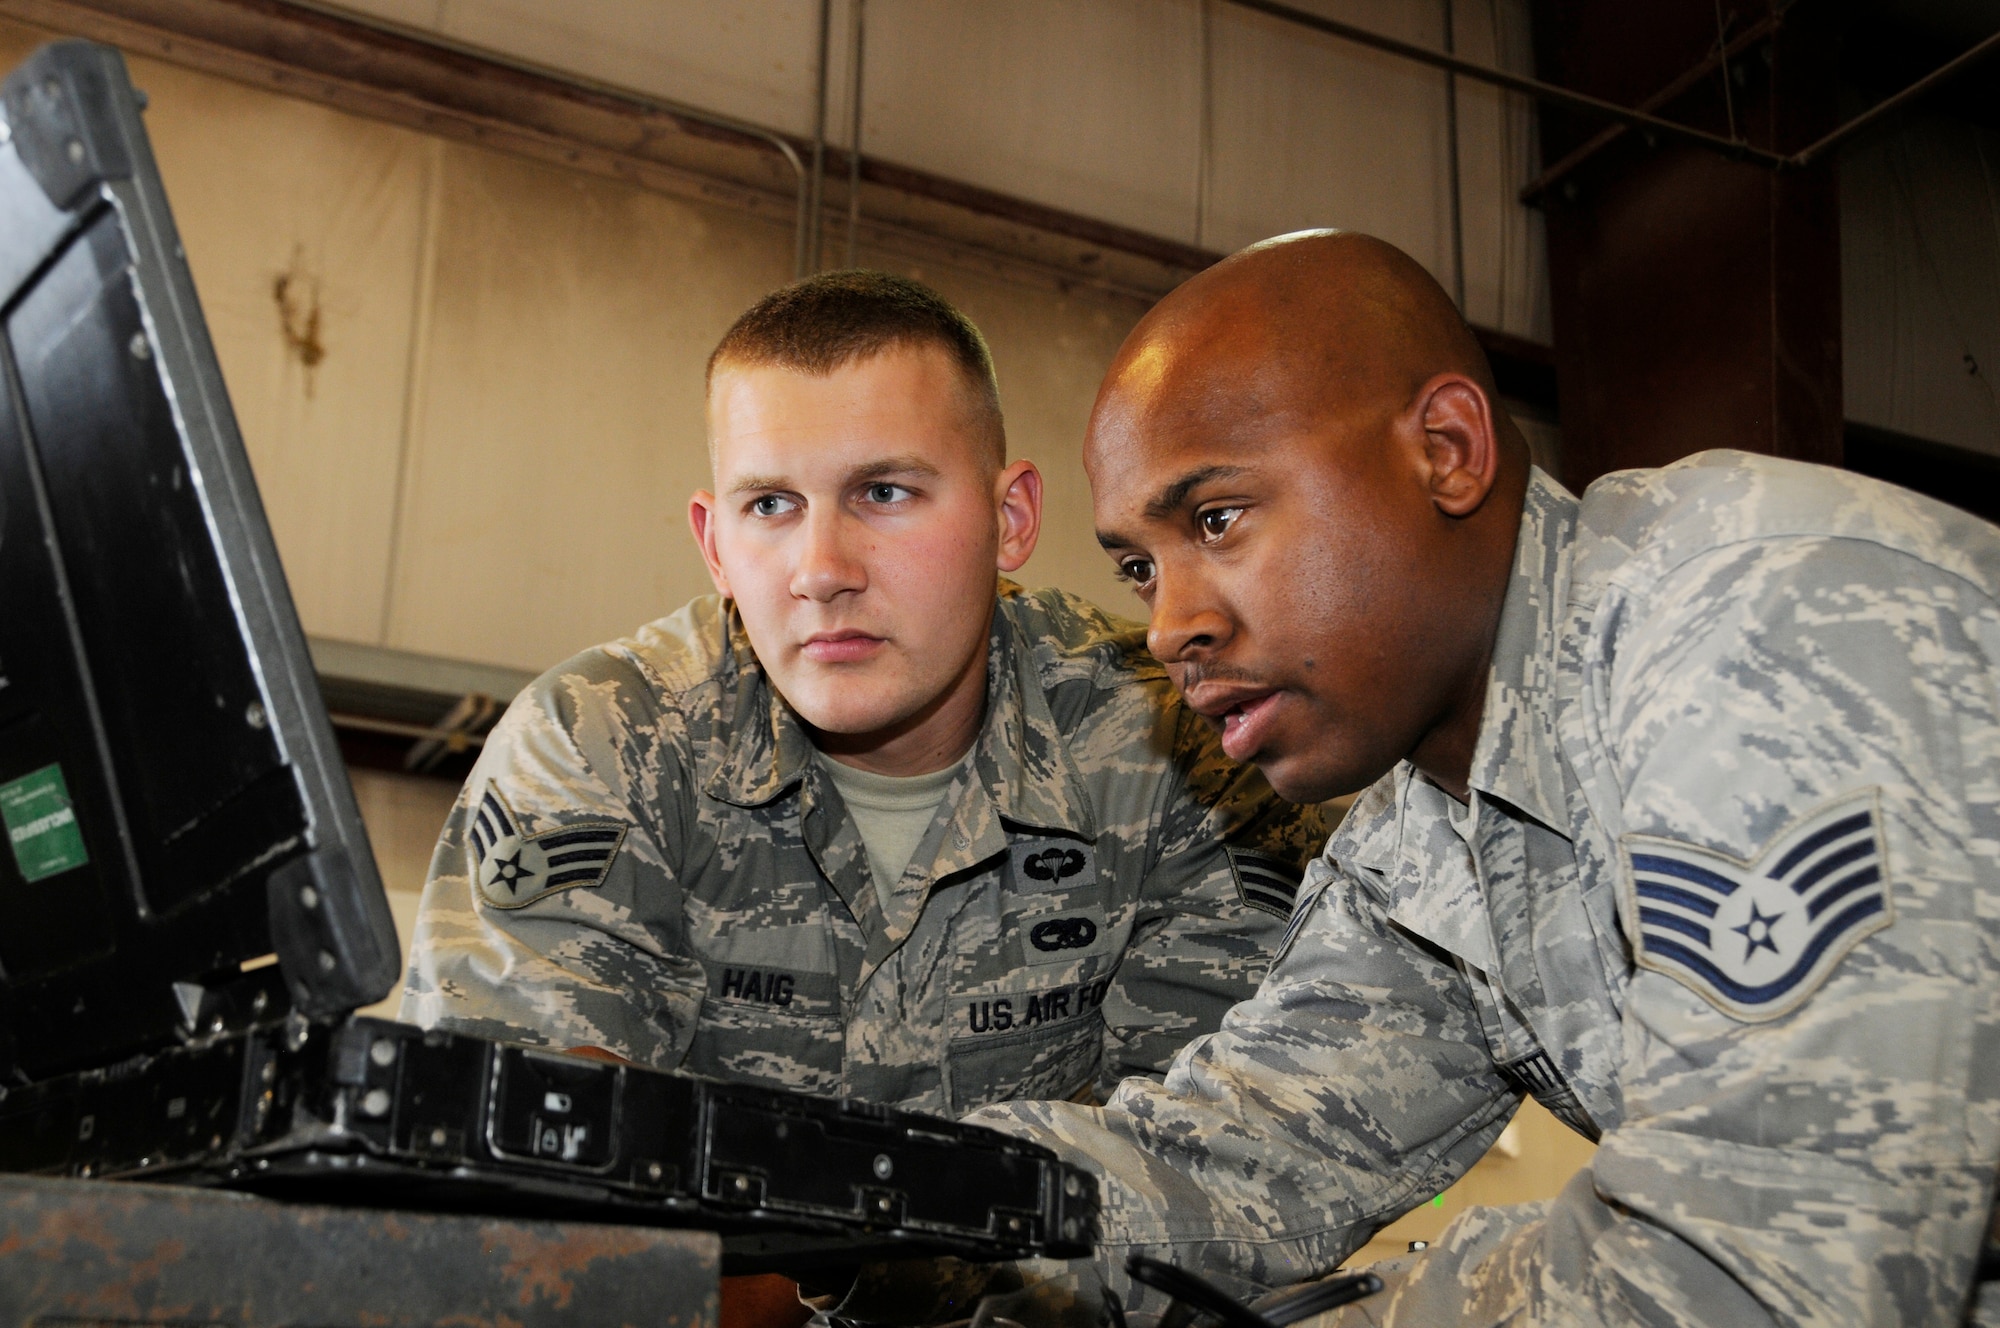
{"x":516,"y":869}
{"x":1264,"y":882}
{"x":1756,"y":939}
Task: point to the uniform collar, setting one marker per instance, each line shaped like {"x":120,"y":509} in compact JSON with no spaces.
{"x":1516,"y":758}
{"x":1022,"y":757}
{"x":1025,"y":772}
{"x":767,"y":748}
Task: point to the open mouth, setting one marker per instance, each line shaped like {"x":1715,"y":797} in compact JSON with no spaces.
{"x":1244,"y":725}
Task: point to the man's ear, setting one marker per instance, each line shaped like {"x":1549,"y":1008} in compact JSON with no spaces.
{"x":1459,"y":443}
{"x":1017,"y":500}
{"x":701,"y":520}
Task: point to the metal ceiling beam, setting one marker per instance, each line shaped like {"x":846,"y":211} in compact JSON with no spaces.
{"x":806,"y":183}
{"x":1628,"y":116}
{"x":1950,"y":69}
{"x":1610,"y":134}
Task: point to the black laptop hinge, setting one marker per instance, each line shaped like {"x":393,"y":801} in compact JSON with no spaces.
{"x":233,"y":1004}
{"x":57,"y":110}
{"x":328,"y":945}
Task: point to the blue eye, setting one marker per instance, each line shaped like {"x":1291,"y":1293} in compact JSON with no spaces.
{"x":772,"y":504}
{"x":887,"y":493}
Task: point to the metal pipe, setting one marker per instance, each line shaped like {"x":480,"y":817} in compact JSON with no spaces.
{"x":1204,"y":157}
{"x":1722,"y":55}
{"x":809,"y":261}
{"x":1451,"y":145}
{"x":1631,"y":118}
{"x":1917,"y":89}
{"x":642,"y":101}
{"x":1549,"y":92}
{"x":856,"y":22}
{"x":1610,"y":134}
{"x":454,"y":739}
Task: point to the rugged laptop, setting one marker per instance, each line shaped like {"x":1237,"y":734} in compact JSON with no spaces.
{"x":177,"y":812}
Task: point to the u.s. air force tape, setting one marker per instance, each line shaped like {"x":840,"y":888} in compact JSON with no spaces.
{"x":516,"y":869}
{"x":1265,"y":882}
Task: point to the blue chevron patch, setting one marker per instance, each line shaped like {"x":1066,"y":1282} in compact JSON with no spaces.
{"x":1757,"y":938}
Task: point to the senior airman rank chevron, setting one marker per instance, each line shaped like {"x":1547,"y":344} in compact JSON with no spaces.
{"x":1757,"y":938}
{"x":1264,"y":882}
{"x":515,"y":869}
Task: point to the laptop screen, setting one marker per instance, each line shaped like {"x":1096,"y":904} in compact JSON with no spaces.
{"x":167,"y":773}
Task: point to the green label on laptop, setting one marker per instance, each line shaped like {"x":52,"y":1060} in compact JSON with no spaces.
{"x":41,"y":825}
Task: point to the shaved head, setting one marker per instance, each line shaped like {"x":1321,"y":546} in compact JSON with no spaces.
{"x":1323,"y":321}
{"x":1297,"y":459}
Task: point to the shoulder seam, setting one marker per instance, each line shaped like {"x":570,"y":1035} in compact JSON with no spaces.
{"x":1658,"y":570}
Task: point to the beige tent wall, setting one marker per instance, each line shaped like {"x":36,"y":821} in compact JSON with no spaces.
{"x":1189,"y":119}
{"x":556,"y":426}
{"x":470,"y":384}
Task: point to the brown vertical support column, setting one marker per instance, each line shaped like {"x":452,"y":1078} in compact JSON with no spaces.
{"x":1696,"y":299}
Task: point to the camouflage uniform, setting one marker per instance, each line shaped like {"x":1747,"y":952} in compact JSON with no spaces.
{"x":1726,"y":899}
{"x":647,"y":859}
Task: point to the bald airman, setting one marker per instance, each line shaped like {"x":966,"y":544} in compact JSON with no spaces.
{"x":1681,"y":815}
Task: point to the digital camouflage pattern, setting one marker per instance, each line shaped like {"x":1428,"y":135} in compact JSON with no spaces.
{"x":647,"y":859}
{"x":1733,"y":672}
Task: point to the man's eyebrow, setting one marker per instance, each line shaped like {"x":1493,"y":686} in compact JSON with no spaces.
{"x":908,"y":464}
{"x":1171,"y":499}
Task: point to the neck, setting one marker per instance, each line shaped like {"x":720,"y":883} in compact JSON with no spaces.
{"x":935,"y":737}
{"x":1447,"y":748}
{"x":1446,"y":752}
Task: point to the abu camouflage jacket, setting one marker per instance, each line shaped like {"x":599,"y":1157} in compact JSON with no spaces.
{"x":1726,"y":897}
{"x":647,"y":859}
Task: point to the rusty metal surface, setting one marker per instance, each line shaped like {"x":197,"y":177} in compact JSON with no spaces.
{"x":95,"y":1252}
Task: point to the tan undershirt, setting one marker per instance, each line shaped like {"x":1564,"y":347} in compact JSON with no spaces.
{"x":892,"y":812}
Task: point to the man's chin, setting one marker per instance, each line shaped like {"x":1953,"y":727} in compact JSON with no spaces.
{"x":848,"y":708}
{"x":846,"y":722}
{"x":1297,"y":777}
{"x":1296,"y":788}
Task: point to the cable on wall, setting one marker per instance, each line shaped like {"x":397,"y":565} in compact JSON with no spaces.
{"x":856,"y":23}
{"x":1451,"y":158}
{"x":816,"y":190}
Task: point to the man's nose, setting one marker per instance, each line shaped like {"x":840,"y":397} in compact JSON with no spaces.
{"x":828,"y":562}
{"x":1187,"y":620}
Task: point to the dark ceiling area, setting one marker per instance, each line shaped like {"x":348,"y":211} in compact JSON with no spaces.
{"x":1697,"y":299}
{"x":1890,"y":44}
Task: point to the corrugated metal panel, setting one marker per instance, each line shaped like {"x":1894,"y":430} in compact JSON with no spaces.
{"x":1313,"y":131}
{"x":558,"y":427}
